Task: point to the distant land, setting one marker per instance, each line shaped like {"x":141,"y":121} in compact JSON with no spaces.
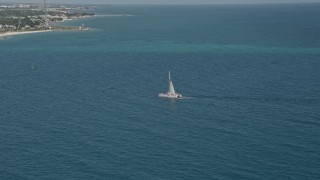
{"x":180,"y":2}
{"x":21,"y":18}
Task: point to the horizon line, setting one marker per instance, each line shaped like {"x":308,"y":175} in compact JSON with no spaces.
{"x":249,"y":3}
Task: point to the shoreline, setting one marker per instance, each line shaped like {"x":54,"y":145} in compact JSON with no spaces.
{"x":22,"y":32}
{"x":9,"y":34}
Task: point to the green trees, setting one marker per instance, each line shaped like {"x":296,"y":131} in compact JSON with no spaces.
{"x":26,"y":22}
{"x":8,"y":21}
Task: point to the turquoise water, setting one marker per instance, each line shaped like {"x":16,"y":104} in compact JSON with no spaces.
{"x":88,"y":109}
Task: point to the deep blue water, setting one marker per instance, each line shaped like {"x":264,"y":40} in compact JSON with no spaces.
{"x":89,"y":110}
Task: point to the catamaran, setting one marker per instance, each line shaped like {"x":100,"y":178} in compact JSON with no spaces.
{"x":171,"y":93}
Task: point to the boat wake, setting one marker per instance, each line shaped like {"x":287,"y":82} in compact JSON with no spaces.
{"x":291,"y":100}
{"x":185,"y":97}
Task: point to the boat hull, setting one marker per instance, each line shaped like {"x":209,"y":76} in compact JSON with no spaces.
{"x":170,"y":95}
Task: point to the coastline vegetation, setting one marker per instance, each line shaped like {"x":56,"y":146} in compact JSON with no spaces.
{"x":17,"y":18}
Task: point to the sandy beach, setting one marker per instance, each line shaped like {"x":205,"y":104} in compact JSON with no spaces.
{"x":18,"y":33}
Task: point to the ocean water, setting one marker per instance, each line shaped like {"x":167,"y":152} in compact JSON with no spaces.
{"x":89,"y":107}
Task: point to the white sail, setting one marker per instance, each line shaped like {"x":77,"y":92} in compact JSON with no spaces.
{"x":171,"y":88}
